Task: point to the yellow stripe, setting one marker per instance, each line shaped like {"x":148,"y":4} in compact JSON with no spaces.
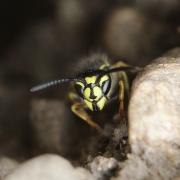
{"x":121,"y":93}
{"x":101,"y":103}
{"x":103,"y":66}
{"x":80,"y":83}
{"x":87,"y":93}
{"x":89,"y":104}
{"x":97,"y":92}
{"x":91,"y":79}
{"x":104,"y":78}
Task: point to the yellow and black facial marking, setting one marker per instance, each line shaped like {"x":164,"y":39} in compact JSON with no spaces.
{"x":94,"y":91}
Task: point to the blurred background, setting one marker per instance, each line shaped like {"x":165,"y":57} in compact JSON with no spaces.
{"x":45,"y":39}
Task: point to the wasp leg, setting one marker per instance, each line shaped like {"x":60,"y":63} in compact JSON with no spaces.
{"x":134,"y":69}
{"x":123,"y":93}
{"x":79,"y":110}
{"x":121,"y":99}
{"x":123,"y":87}
{"x":120,"y":64}
{"x":124,"y":78}
{"x":73,"y":97}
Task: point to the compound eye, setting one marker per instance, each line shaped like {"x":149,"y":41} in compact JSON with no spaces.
{"x":79,"y":89}
{"x":106,"y":85}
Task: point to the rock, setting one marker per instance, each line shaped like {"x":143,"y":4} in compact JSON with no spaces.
{"x":57,"y":130}
{"x":102,"y":167}
{"x":154,"y":121}
{"x":6,"y":166}
{"x":78,"y":23}
{"x":154,"y":106}
{"x":51,"y":127}
{"x":13,"y":121}
{"x":48,"y":167}
{"x":130,"y":35}
{"x":159,"y":8}
{"x":47,"y":118}
{"x":83,"y":174}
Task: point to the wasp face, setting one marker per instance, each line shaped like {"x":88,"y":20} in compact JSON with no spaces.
{"x":94,"y":91}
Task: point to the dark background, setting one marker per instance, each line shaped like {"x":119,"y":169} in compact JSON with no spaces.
{"x":44,"y":39}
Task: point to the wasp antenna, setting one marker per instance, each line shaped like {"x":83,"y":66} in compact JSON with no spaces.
{"x":50,"y":84}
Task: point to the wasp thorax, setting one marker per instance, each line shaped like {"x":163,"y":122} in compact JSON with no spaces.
{"x":94,"y":91}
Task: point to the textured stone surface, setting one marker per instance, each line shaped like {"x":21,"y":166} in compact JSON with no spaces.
{"x":103,"y":168}
{"x":154,"y":110}
{"x":48,"y":167}
{"x":154,"y":121}
{"x":6,"y":166}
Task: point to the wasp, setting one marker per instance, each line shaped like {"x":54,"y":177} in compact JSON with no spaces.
{"x":95,"y":85}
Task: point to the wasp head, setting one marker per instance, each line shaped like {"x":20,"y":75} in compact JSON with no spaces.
{"x":94,"y":90}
